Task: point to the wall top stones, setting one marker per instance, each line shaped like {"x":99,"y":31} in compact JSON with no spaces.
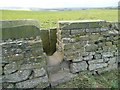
{"x":19,"y":29}
{"x":16,"y":23}
{"x":81,"y":21}
{"x":81,"y":24}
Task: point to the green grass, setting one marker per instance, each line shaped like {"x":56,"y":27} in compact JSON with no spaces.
{"x":48,"y":19}
{"x":87,"y":80}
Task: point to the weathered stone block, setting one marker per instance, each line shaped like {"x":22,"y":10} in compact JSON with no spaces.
{"x":65,"y":33}
{"x":71,"y":26}
{"x":75,"y":56}
{"x":16,"y":57}
{"x":39,"y":72}
{"x":68,"y":46}
{"x":77,"y":46}
{"x":94,"y":37}
{"x":41,"y":81}
{"x":35,"y":44}
{"x":106,"y":59}
{"x":18,"y":28}
{"x":39,"y":64}
{"x":113,"y":32}
{"x":1,"y":79}
{"x":79,"y":31}
{"x":93,"y":30}
{"x":1,"y":69}
{"x":96,"y":24}
{"x":106,"y":48}
{"x":80,"y":24}
{"x":97,"y":61}
{"x":115,"y":42}
{"x":107,"y":54}
{"x":109,"y":43}
{"x":87,"y":58}
{"x":10,"y":86}
{"x":98,"y":56}
{"x":1,"y":86}
{"x":66,"y":40}
{"x":91,"y":47}
{"x":78,"y":59}
{"x":116,"y":37}
{"x":10,"y":68}
{"x":16,"y":77}
{"x":112,"y":61}
{"x":77,"y":67}
{"x":36,"y":52}
{"x":96,"y":66}
{"x":84,"y":38}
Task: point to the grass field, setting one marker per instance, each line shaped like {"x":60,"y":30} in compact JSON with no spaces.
{"x":48,"y":19}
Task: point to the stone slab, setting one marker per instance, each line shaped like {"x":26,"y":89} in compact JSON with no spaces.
{"x":79,"y":66}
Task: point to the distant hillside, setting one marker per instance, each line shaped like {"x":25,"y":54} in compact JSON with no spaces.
{"x":54,"y":9}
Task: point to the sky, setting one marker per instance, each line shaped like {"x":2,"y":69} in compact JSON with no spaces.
{"x":58,"y":3}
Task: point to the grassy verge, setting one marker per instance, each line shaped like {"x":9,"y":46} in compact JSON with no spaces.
{"x":87,"y":80}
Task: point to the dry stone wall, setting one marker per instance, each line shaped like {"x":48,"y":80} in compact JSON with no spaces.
{"x":23,"y":60}
{"x":81,"y":46}
{"x":89,"y":45}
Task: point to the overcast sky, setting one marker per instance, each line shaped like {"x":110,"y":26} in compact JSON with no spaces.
{"x":58,"y":3}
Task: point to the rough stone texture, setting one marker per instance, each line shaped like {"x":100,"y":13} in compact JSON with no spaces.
{"x":98,"y":56}
{"x":16,"y":77}
{"x":96,"y":61}
{"x":10,"y":86}
{"x":0,"y":79}
{"x":80,"y":24}
{"x":32,"y":65}
{"x":77,"y":67}
{"x":1,"y":71}
{"x":96,"y":66}
{"x":87,"y":58}
{"x":78,"y":59}
{"x":17,"y":57}
{"x":10,"y":68}
{"x":0,"y":86}
{"x":33,"y":83}
{"x":91,"y":47}
{"x":112,"y":61}
{"x":39,"y":72}
{"x":107,"y":54}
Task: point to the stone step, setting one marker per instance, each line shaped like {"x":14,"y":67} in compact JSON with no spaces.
{"x":60,"y":77}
